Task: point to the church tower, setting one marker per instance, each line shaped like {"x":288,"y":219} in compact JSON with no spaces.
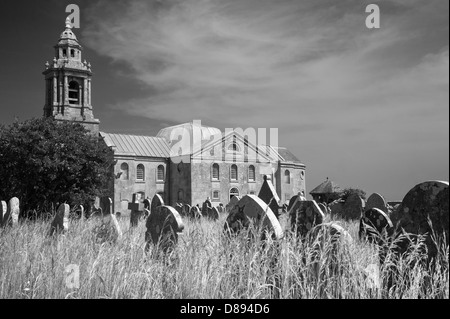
{"x":68,"y":83}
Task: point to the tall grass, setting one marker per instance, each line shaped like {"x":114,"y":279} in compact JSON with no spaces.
{"x":207,"y":264}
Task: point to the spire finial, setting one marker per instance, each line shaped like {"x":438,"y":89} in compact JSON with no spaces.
{"x":68,"y":23}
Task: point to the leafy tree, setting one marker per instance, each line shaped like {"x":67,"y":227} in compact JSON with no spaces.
{"x":44,"y":162}
{"x":349,"y":191}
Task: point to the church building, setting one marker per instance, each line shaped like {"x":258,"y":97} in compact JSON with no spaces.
{"x":218,"y":167}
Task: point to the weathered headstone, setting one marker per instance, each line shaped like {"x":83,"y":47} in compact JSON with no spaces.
{"x":293,"y":200}
{"x":377,"y":201}
{"x":3,"y":211}
{"x":353,"y":207}
{"x":186,"y":210}
{"x":425,"y":201}
{"x":233,"y":201}
{"x":147,"y":205}
{"x":373,"y":224}
{"x":163,"y":226}
{"x":60,"y":223}
{"x":269,"y":195}
{"x":82,"y":216}
{"x":14,"y":211}
{"x":195,"y":213}
{"x":336,"y":208}
{"x":109,"y":230}
{"x":304,"y":215}
{"x":105,"y":206}
{"x":206,"y":208}
{"x":252,"y":209}
{"x":157,"y":201}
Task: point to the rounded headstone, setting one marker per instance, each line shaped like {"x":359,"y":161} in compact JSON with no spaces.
{"x":305,"y":215}
{"x":374,"y":222}
{"x":163,"y":226}
{"x":377,"y":201}
{"x":425,"y":201}
{"x":252,"y":209}
{"x":14,"y":210}
{"x":206,"y":207}
{"x":233,"y":201}
{"x":3,"y":212}
{"x":353,"y":207}
{"x":157,"y":201}
{"x":213,"y":213}
{"x":195,"y":213}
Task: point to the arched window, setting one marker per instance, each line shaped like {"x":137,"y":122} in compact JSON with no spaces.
{"x":74,"y":93}
{"x":215,"y":171}
{"x":72,"y":53}
{"x":160,"y":174}
{"x":125,"y":171}
{"x":234,"y":192}
{"x":287,"y":177}
{"x":140,"y":172}
{"x":251,"y":173}
{"x":234,"y":173}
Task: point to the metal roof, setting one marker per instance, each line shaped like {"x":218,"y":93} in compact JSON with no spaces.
{"x":281,"y":153}
{"x":131,"y":145}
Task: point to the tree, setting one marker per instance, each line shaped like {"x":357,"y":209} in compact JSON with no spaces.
{"x":44,"y":162}
{"x":349,"y":191}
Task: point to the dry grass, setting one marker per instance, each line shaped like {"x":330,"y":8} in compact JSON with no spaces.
{"x":204,"y":265}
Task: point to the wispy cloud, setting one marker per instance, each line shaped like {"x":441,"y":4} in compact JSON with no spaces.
{"x":303,"y":66}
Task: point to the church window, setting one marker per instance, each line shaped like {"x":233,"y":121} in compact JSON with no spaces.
{"x":216,"y":195}
{"x":251,"y":173}
{"x":72,"y":53}
{"x":160,"y":174}
{"x":287,"y":177}
{"x":125,"y":171}
{"x":234,"y":173}
{"x":215,"y":173}
{"x":64,"y":53}
{"x":234,"y":192}
{"x":233,"y":147}
{"x":140,"y":172}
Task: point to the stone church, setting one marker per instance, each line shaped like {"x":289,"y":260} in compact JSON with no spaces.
{"x":224,"y":165}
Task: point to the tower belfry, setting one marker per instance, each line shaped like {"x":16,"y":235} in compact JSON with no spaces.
{"x":68,"y":83}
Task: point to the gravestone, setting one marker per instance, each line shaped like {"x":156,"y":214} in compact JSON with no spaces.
{"x":233,"y":201}
{"x":323,"y":208}
{"x":213,"y":213}
{"x":195,"y":213}
{"x":428,"y":200}
{"x":353,"y":207}
{"x":137,"y":210}
{"x":81,"y":209}
{"x":3,"y":211}
{"x":105,"y":206}
{"x":186,"y":210}
{"x":147,"y":205}
{"x":304,"y":215}
{"x":157,"y":201}
{"x":14,"y":211}
{"x":163,"y":226}
{"x":206,"y":207}
{"x":60,"y":223}
{"x":179,"y":209}
{"x":293,"y":200}
{"x":269,"y":195}
{"x":109,"y":230}
{"x":373,"y":224}
{"x":336,"y":208}
{"x":252,"y":209}
{"x":377,"y":201}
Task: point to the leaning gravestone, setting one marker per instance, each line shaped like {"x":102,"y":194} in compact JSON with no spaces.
{"x":304,"y":215}
{"x":195,"y":213}
{"x":377,"y":201}
{"x":373,"y":224}
{"x":157,"y":201}
{"x":3,"y":211}
{"x":252,"y":209}
{"x":269,"y":195}
{"x":353,"y":207}
{"x":233,"y":201}
{"x":163,"y":226}
{"x":60,"y":223}
{"x":428,"y":200}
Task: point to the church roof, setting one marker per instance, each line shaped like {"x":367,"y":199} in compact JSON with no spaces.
{"x":131,"y":145}
{"x":206,"y":131}
{"x":327,"y":187}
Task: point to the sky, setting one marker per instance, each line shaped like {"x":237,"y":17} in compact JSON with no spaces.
{"x":367,"y":108}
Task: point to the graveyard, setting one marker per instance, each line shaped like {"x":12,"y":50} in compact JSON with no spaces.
{"x":251,"y":248}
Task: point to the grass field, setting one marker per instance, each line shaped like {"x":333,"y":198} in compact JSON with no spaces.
{"x":205,"y":264}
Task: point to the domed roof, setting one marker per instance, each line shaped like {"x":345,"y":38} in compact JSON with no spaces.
{"x":67,"y":35}
{"x":173,"y":132}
